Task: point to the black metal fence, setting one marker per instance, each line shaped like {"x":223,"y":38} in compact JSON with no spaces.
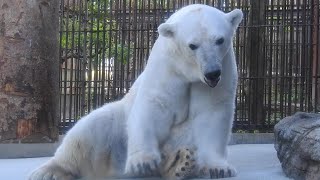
{"x":104,"y":45}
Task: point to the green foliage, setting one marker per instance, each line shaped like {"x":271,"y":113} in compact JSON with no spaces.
{"x":241,"y":131}
{"x":89,"y":29}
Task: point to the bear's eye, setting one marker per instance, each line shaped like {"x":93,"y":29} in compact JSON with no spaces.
{"x":219,"y":41}
{"x":193,"y":46}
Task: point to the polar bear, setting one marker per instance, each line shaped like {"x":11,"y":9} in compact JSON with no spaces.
{"x":176,"y":119}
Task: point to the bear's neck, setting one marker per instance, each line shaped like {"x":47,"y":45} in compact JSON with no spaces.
{"x":229,"y":75}
{"x":162,"y":66}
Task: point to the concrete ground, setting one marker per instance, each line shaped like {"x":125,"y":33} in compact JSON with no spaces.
{"x":253,"y":162}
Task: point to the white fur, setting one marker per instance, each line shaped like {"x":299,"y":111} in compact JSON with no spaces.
{"x":168,"y":107}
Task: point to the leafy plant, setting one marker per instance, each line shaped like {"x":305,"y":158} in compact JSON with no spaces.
{"x":87,"y":31}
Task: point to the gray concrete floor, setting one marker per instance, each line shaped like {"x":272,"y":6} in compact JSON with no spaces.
{"x":256,"y":162}
{"x":253,"y":162}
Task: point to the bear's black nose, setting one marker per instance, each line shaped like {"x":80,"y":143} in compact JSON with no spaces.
{"x":213,"y":75}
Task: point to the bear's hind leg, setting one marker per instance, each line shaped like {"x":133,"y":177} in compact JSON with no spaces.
{"x":180,"y":165}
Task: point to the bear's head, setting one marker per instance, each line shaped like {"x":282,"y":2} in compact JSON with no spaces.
{"x":202,"y":35}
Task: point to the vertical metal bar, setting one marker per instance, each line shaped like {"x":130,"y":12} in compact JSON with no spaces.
{"x":252,"y":124}
{"x":138,"y":40}
{"x":65,"y":79}
{"x":264,"y":67}
{"x":315,"y":50}
{"x":104,"y":49}
{"x":156,"y":16}
{"x":317,"y":45}
{"x":90,"y":57}
{"x":96,"y":60}
{"x":123,"y":37}
{"x":303,"y":55}
{"x":297,"y":57}
{"x":148,"y":28}
{"x":84,"y":61}
{"x":174,"y":8}
{"x":264,"y":77}
{"x":290,"y":59}
{"x":115,"y":89}
{"x":239,"y":104}
{"x":277,"y":60}
{"x":245,"y":79}
{"x":61,"y":125}
{"x":78,"y":63}
{"x":237,"y":50}
{"x":129,"y":78}
{"x":141,"y":40}
{"x":270,"y":73}
{"x":219,"y":4}
{"x":110,"y":58}
{"x":282,"y":59}
{"x":134,"y":66}
{"x":72,"y":51}
{"x":309,"y":57}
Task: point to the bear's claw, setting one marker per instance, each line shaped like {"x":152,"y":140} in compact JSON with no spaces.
{"x":217,"y":172}
{"x":142,"y":165}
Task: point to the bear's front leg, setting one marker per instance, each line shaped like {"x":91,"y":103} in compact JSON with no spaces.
{"x":212,"y":130}
{"x":148,"y":124}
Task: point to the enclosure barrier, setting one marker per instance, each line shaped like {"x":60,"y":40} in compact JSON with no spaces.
{"x":104,"y":45}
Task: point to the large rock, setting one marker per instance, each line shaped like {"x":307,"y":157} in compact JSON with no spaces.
{"x":297,"y":141}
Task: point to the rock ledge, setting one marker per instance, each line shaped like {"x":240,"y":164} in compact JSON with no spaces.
{"x":297,"y":142}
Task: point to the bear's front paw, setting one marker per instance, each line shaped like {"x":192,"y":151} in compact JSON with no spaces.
{"x":50,"y":173}
{"x":218,"y":171}
{"x":142,"y":163}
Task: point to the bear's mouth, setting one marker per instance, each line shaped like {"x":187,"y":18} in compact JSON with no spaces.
{"x":212,"y":83}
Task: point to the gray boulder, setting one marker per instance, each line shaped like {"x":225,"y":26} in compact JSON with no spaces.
{"x":297,"y":142}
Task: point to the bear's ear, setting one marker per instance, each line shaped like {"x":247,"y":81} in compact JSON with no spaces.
{"x":235,"y":17}
{"x":166,"y":29}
